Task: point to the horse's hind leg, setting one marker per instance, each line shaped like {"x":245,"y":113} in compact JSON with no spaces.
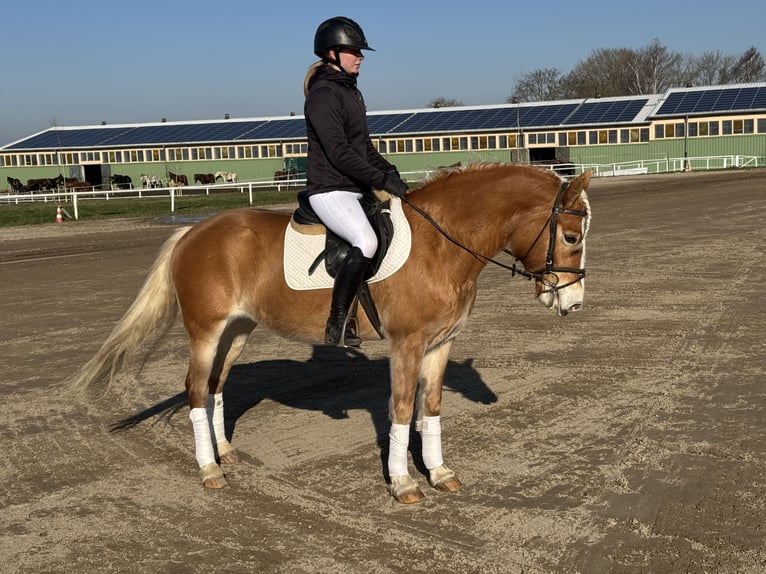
{"x":209,"y":366}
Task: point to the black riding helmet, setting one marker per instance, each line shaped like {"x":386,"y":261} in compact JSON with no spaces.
{"x":338,"y":32}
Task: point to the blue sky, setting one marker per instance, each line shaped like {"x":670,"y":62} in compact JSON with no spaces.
{"x":80,"y":62}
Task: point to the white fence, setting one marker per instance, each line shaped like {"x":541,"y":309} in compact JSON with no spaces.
{"x":669,"y":165}
{"x":666,"y":165}
{"x":75,"y":197}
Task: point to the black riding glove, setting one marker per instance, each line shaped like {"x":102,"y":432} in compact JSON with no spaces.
{"x":394,"y":184}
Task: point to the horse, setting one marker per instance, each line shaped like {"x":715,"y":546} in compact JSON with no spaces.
{"x":178,"y":179}
{"x":204,"y":178}
{"x":16,"y":185}
{"x":150,"y":181}
{"x":225,"y":275}
{"x":226,"y":176}
{"x":40,"y":184}
{"x":122,"y":181}
{"x":283,"y":175}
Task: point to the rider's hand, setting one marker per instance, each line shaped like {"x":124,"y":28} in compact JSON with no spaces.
{"x":394,"y":184}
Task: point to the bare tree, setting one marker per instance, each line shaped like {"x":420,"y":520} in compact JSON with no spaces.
{"x":442,"y":102}
{"x":749,"y":67}
{"x":538,"y":86}
{"x":709,"y":69}
{"x":649,"y":70}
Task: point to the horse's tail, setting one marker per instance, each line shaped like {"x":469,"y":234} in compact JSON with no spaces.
{"x":153,"y":311}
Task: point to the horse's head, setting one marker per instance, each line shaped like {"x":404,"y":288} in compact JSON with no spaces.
{"x":556,"y":256}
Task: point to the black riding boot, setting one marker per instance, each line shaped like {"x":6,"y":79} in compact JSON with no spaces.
{"x":347,"y":282}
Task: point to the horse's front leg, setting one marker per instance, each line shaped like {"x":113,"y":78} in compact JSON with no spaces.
{"x":405,"y":365}
{"x":408,"y":367}
{"x":428,"y":422}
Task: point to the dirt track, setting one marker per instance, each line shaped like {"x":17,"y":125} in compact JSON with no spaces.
{"x":626,"y":438}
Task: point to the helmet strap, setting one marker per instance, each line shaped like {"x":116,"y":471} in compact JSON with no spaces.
{"x":333,"y":57}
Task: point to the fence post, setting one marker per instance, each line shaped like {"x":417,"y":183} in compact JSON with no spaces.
{"x":172,"y":200}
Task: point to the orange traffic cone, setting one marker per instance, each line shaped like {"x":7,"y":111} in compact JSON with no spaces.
{"x":59,"y":219}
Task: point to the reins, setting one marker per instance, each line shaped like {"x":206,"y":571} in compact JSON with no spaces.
{"x":550,"y":269}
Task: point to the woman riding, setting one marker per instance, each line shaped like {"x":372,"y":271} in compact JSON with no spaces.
{"x":343,"y":165}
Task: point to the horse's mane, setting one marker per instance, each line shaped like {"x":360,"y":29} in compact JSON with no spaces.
{"x":445,"y":172}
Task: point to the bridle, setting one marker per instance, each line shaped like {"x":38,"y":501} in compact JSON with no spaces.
{"x":550,"y":270}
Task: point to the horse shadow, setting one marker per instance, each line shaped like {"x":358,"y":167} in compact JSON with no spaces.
{"x":332,"y":381}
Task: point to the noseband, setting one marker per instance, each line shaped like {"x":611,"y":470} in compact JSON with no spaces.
{"x":550,"y":270}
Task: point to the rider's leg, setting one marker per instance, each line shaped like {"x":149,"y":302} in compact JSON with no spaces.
{"x":342,"y":213}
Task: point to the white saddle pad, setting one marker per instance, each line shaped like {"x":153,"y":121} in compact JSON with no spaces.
{"x":301,"y":250}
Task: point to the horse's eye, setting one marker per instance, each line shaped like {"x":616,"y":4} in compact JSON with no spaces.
{"x":571,"y":239}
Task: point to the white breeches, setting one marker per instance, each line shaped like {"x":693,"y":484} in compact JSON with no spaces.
{"x":342,"y":213}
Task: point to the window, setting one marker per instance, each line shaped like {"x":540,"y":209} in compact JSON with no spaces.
{"x":703,"y":128}
{"x":762,"y":125}
{"x":593,"y":137}
{"x":659,"y":131}
{"x":679,"y":131}
{"x":727,"y":127}
{"x":692,"y":129}
{"x":563,"y":139}
{"x":748,"y":126}
{"x":714,"y":128}
{"x":669,"y":130}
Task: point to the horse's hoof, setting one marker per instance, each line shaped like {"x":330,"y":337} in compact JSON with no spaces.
{"x":228,"y":455}
{"x":444,"y":479}
{"x":405,"y":490}
{"x":212,"y":476}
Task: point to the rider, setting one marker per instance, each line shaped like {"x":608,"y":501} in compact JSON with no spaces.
{"x":342,"y":162}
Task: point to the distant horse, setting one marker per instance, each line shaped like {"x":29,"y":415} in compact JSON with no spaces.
{"x":226,"y":176}
{"x":204,"y":178}
{"x":226,"y":275}
{"x":178,"y":179}
{"x":283,"y":175}
{"x":150,"y":181}
{"x":16,"y":185}
{"x":41,"y":184}
{"x":122,"y":181}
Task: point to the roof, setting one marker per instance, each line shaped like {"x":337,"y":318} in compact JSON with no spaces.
{"x":576,"y":113}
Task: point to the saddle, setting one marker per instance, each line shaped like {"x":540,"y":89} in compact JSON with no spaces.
{"x":378,"y":211}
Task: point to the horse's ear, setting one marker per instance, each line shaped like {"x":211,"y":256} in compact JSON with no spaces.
{"x":576,"y":187}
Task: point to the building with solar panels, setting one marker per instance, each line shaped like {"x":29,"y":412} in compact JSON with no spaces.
{"x":689,"y":123}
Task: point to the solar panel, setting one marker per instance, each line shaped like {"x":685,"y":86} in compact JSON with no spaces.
{"x":546,"y":115}
{"x":714,"y":100}
{"x":616,"y":111}
{"x":280,"y":129}
{"x":381,"y":124}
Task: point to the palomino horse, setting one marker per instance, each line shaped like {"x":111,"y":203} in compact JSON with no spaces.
{"x":226,"y":274}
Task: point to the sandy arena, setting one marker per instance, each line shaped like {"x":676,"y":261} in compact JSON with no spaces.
{"x":626,"y":438}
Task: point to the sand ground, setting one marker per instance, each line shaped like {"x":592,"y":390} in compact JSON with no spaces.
{"x":627,"y":438}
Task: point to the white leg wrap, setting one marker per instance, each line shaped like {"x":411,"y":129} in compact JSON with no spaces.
{"x":215,"y":415}
{"x":431,"y":437}
{"x":399,"y":440}
{"x":203,"y":445}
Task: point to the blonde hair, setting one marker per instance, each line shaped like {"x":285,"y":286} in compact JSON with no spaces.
{"x":309,"y":74}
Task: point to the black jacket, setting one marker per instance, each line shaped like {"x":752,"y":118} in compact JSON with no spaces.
{"x":340,"y":153}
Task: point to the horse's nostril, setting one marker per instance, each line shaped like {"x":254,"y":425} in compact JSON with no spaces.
{"x":575,"y":307}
